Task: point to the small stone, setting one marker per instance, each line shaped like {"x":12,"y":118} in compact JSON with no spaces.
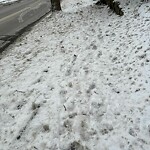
{"x":45,"y":70}
{"x":114,"y":59}
{"x":132,"y":133}
{"x":99,"y":54}
{"x":139,"y":47}
{"x":35,"y":106}
{"x":94,"y":47}
{"x":142,"y":56}
{"x":77,"y":146}
{"x":70,"y":84}
{"x":46,"y":127}
{"x":92,"y":86}
{"x":106,"y":128}
{"x":18,"y":137}
{"x":72,"y":115}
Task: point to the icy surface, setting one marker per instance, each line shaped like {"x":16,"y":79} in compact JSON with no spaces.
{"x":79,"y":79}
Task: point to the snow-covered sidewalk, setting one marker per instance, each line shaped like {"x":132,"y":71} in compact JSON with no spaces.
{"x":78,"y":79}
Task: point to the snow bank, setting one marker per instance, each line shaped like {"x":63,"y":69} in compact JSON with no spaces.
{"x":7,"y":1}
{"x":78,"y":80}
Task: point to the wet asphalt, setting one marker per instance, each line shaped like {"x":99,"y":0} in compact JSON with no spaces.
{"x":17,"y":16}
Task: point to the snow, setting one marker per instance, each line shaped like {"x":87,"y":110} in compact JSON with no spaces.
{"x":80,"y":78}
{"x":7,"y":1}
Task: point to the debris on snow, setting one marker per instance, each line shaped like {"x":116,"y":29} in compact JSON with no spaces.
{"x":79,"y":80}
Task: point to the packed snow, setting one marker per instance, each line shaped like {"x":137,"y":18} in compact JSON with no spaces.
{"x":80,"y":79}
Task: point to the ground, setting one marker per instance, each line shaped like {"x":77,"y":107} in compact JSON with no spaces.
{"x":79,"y":79}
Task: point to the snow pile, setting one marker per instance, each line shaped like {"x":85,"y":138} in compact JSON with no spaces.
{"x":7,"y":1}
{"x":78,"y":80}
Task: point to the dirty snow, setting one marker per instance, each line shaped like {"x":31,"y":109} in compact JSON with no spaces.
{"x":79,"y":79}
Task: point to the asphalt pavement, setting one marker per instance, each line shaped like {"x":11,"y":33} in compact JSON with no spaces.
{"x":17,"y":16}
